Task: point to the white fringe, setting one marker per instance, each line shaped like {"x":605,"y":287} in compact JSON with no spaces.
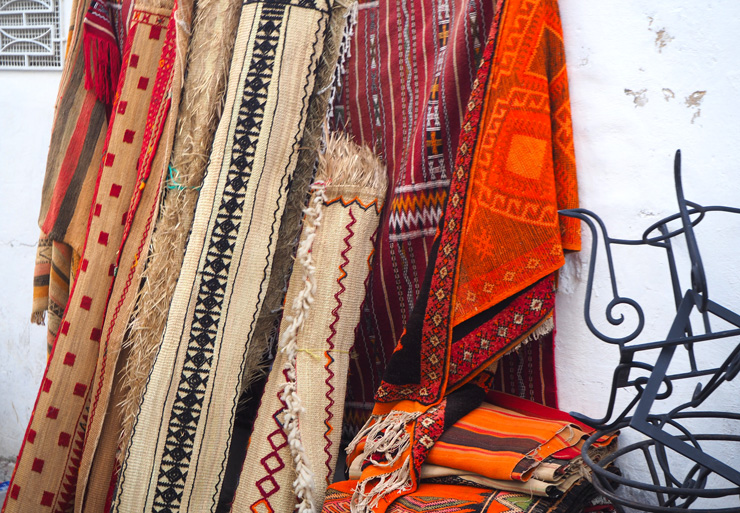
{"x":345,"y":52}
{"x":385,"y":435}
{"x":304,"y":483}
{"x":364,"y":502}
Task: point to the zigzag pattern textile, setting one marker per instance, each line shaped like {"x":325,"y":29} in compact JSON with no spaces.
{"x":334,"y":258}
{"x":177,"y":456}
{"x":479,"y":301}
{"x":47,"y":470}
{"x":405,"y":93}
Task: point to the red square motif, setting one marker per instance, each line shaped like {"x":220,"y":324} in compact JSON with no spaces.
{"x":128,"y":136}
{"x":47,"y":499}
{"x":65,"y":327}
{"x":122,"y":107}
{"x":80,"y":390}
{"x":64,"y":439}
{"x":133,"y":60}
{"x":95,"y":335}
{"x":37,"y":465}
{"x":53,"y":413}
{"x":143,"y":83}
{"x":31,"y":436}
{"x":46,"y":385}
{"x":123,"y":218}
{"x":103,"y":238}
{"x":115,"y":190}
{"x":15,"y":491}
{"x":155,"y":32}
{"x":98,"y":208}
{"x":109,"y":158}
{"x":83,"y":264}
{"x":69,"y":359}
{"x":86,"y":302}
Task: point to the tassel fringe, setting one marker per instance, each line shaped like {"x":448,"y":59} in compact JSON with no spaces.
{"x":102,"y":66}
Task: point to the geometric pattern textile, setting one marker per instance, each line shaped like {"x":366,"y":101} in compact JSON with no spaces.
{"x":432,"y":359}
{"x":101,"y":443}
{"x":341,"y":251}
{"x":180,"y":444}
{"x":48,"y":464}
{"x":404,"y":94}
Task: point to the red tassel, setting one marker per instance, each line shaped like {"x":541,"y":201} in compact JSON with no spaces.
{"x":102,"y":66}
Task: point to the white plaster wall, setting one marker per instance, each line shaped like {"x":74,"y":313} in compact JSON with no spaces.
{"x":647,"y":78}
{"x":26,"y":110}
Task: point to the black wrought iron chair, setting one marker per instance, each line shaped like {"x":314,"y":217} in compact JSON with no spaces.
{"x":671,"y":447}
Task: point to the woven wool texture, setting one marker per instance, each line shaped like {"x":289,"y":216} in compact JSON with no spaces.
{"x":101,"y":440}
{"x":467,"y":498}
{"x":341,"y":251}
{"x":438,"y":353}
{"x":47,"y":469}
{"x":177,"y":455}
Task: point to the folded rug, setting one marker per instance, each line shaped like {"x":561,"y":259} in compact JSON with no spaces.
{"x":479,"y":300}
{"x":179,"y":448}
{"x":464,"y":498}
{"x":293,"y":449}
{"x":48,"y":464}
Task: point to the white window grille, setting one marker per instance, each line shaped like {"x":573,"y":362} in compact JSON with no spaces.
{"x":30,"y":34}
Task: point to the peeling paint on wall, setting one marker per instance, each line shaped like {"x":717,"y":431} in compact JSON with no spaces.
{"x":640,"y":98}
{"x":694,"y":101}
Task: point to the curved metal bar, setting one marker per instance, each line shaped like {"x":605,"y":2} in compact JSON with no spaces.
{"x":589,"y":217}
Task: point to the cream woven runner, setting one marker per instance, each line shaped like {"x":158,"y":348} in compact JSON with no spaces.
{"x":334,"y":259}
{"x":178,"y":451}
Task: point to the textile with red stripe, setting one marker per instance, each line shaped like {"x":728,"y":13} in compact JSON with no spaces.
{"x":515,"y":146}
{"x":48,"y":465}
{"x":405,"y":92}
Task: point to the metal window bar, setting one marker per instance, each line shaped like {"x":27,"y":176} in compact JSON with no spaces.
{"x":30,"y":35}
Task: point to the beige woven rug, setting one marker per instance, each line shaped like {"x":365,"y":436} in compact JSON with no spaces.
{"x":47,"y":469}
{"x":293,"y":449}
{"x":178,"y":452}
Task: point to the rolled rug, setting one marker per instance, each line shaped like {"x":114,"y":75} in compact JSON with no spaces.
{"x":293,"y":450}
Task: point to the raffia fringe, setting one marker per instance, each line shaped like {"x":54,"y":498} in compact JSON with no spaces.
{"x":345,"y":52}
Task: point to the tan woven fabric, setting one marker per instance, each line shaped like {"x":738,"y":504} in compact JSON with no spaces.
{"x":203,"y":93}
{"x":46,"y":472}
{"x":181,"y":437}
{"x":101,"y":440}
{"x":341,"y":252}
{"x":290,"y":225}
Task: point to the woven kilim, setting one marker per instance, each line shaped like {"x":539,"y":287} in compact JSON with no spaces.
{"x":99,"y":452}
{"x":452,"y":498}
{"x":203,"y":93}
{"x":178,"y":451}
{"x":334,"y":257}
{"x":76,"y":143}
{"x":404,"y":94}
{"x":47,"y":469}
{"x":444,"y":344}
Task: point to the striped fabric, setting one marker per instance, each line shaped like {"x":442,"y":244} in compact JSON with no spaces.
{"x":48,"y":465}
